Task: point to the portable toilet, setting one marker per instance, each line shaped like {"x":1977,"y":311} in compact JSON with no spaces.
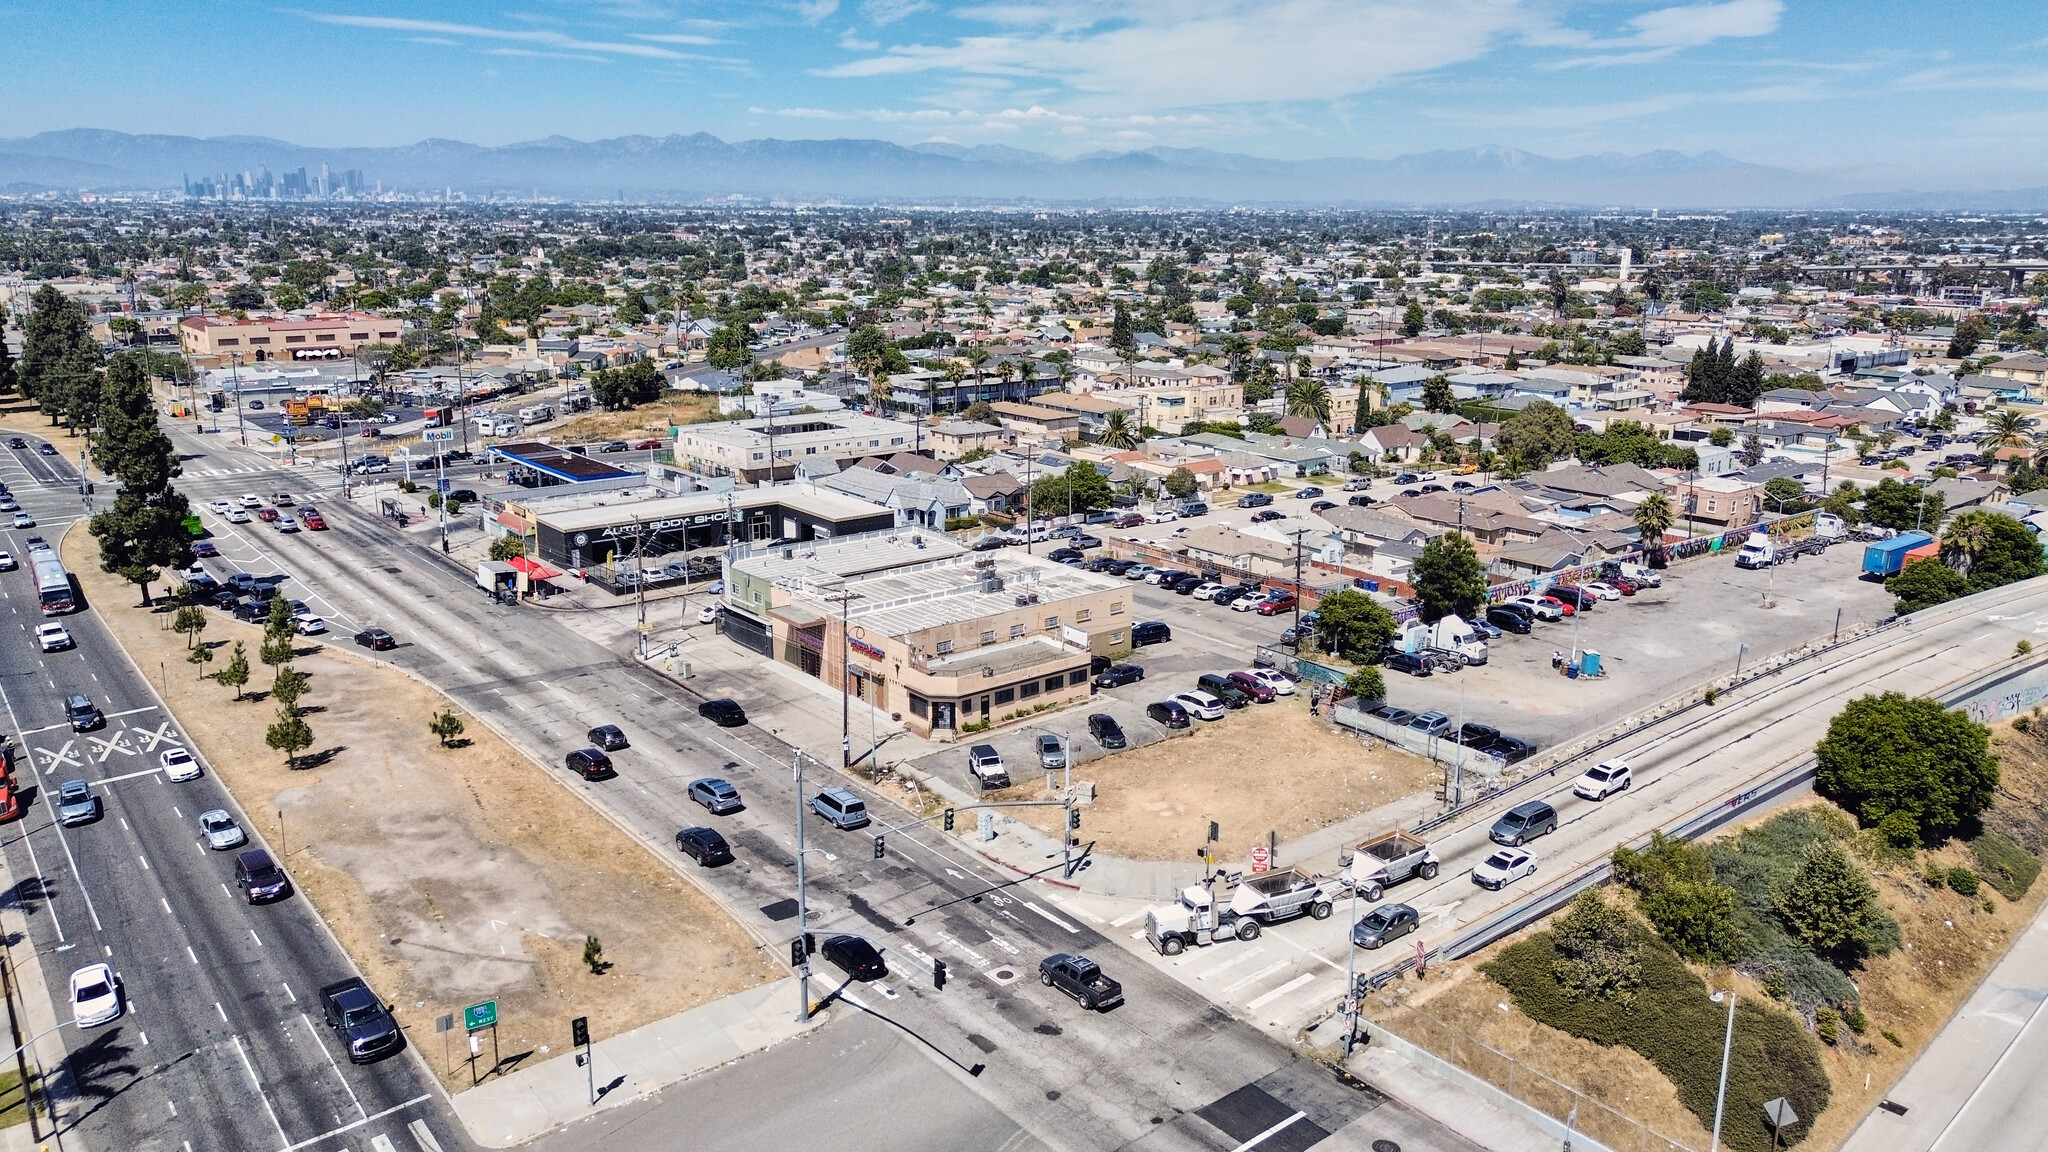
{"x":1589,"y":664}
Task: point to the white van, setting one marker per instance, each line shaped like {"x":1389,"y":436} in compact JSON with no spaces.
{"x":494,"y":425}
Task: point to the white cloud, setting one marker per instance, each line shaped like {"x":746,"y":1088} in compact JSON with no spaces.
{"x":555,"y":40}
{"x":812,"y":11}
{"x":1663,"y":32}
{"x":886,"y":12}
{"x":677,"y":38}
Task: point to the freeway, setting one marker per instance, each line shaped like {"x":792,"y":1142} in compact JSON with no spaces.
{"x":1167,"y":1070}
{"x":220,"y":1046}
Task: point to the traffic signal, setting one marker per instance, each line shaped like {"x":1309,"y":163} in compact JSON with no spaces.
{"x":949,"y":819}
{"x":796,"y":952}
{"x":1073,"y":817}
{"x":878,"y":847}
{"x":579,"y":1032}
{"x":938,"y":974}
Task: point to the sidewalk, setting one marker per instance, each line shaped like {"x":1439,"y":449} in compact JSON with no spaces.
{"x":47,"y":1056}
{"x":512,"y":1109}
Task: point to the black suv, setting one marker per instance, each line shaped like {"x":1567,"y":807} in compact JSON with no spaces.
{"x":591,"y":764}
{"x":1509,"y":620}
{"x":1406,"y":662}
{"x":83,"y":713}
{"x":724,"y":713}
{"x":1150,"y":632}
{"x":609,"y":737}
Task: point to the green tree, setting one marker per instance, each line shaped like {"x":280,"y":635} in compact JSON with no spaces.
{"x":1449,"y":577}
{"x":189,"y":622}
{"x":1355,"y":626}
{"x":445,"y":726}
{"x":1181,"y":483}
{"x":1367,"y":684}
{"x":1118,"y":431}
{"x":618,"y":389}
{"x":1599,"y":955}
{"x":10,"y":374}
{"x":1654,"y":517}
{"x":1721,"y":437}
{"x":1785,"y":494}
{"x":236,"y":674}
{"x":1990,"y":549}
{"x":2006,"y":428}
{"x":1904,"y":507}
{"x":1923,"y":584}
{"x":1081,"y":488}
{"x":200,"y":657}
{"x":289,"y":734}
{"x":1538,"y":434}
{"x":1674,"y":882}
{"x":867,"y":349}
{"x":279,"y":624}
{"x":1413,"y":321}
{"x":1829,"y":903}
{"x":1311,"y":398}
{"x":1436,"y":394}
{"x":1970,"y":331}
{"x":1123,"y":339}
{"x":506,"y":547}
{"x":1907,"y":766}
{"x":60,"y":360}
{"x":144,"y":531}
{"x":730,"y":348}
{"x":275,"y":650}
{"x":288,"y":685}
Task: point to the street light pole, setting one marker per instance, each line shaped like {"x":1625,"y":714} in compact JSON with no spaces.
{"x":1727,"y":1045}
{"x":803,"y":919}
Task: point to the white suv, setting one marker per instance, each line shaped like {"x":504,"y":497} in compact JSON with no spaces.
{"x":1602,"y":781}
{"x":1201,"y":704}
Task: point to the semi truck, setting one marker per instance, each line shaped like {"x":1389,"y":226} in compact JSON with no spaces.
{"x":1884,"y":558}
{"x":1449,"y":635}
{"x":1268,"y":898}
{"x":1388,"y":859}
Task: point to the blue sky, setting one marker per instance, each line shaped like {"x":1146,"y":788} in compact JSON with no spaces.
{"x":1948,"y":93}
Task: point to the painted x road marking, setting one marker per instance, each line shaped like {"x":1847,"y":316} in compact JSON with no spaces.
{"x":151,"y":737}
{"x":65,"y":755}
{"x":107,"y":748}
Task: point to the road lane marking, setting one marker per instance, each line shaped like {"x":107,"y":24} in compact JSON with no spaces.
{"x":133,"y":711}
{"x":68,"y":754}
{"x":1268,"y":1134}
{"x":1284,"y":989}
{"x":192,"y":954}
{"x":419,"y":1131}
{"x":1227,"y":965}
{"x":353,"y":1124}
{"x":345,"y":1086}
{"x":1050,"y":916}
{"x":1255,"y":977}
{"x":258,"y":939}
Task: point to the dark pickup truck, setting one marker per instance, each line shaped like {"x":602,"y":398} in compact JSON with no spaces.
{"x":362,"y":1020}
{"x":1078,"y":977}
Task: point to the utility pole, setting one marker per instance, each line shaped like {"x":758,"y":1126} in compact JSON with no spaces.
{"x":241,"y":430}
{"x":640,"y":582}
{"x":803,"y":916}
{"x":440,"y":489}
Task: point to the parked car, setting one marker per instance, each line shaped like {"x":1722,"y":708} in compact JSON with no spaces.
{"x":1572,"y":596}
{"x":1308,"y":493}
{"x":717,"y":795}
{"x":1259,"y":691}
{"x":724,"y":713}
{"x":1503,"y":868}
{"x":705,"y":846}
{"x":311,"y":625}
{"x":842,"y":808}
{"x":1119,"y":676}
{"x":1272,"y":678}
{"x":1385,"y":924}
{"x":1168,"y":714}
{"x":1512,"y":749}
{"x":1603,"y":780}
{"x":609,"y":737}
{"x":591,"y":764}
{"x":1106,"y":731}
{"x":1603,"y":590}
{"x":855,"y":957}
{"x":1150,"y":632}
{"x":1052,"y":752}
{"x":1541,"y":607}
{"x":1524,"y":822}
{"x":1227,"y":595}
{"x":1478,"y":737}
{"x":1431,"y":723}
{"x":1200,"y":704}
{"x":1265,"y":515}
{"x":1128,"y":520}
{"x":1405,"y":662}
{"x":1509,"y":619}
{"x":376,"y":639}
{"x":1277,"y":603}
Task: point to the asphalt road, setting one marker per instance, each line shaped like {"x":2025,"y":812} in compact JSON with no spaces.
{"x":1071,"y":1079}
{"x":221,"y":1045}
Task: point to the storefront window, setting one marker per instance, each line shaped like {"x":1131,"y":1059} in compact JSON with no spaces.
{"x":1005,"y":695}
{"x":1052,"y":683}
{"x":918,"y":706}
{"x":1028,"y":688}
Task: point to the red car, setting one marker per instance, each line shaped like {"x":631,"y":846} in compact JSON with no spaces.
{"x":1128,"y":520}
{"x":267,"y":515}
{"x":1277,"y":603}
{"x":1568,"y":609}
{"x":314,"y":521}
{"x":646,"y":445}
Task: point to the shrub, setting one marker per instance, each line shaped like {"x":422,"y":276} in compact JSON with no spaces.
{"x":1759,"y":865}
{"x":1892,"y":1036}
{"x":1829,"y":903}
{"x":1962,"y":881}
{"x":1598,"y":953}
{"x":1907,"y":766}
{"x":1367,"y":684}
{"x":1852,"y":1015}
{"x":2003,"y":864}
{"x":1827,"y":1022}
{"x":1673,"y":1024}
{"x":1674,"y":880}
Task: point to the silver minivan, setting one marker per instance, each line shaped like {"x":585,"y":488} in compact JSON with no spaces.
{"x":841,"y":807}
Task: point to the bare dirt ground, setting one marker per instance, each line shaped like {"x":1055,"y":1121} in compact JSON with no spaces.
{"x":1263,"y":767}
{"x":450,"y":875}
{"x":1951,"y":942}
{"x":647,"y":420}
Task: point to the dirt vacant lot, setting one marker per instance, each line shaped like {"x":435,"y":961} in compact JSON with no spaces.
{"x":647,"y":420}
{"x":1262,"y":767}
{"x":450,"y":875}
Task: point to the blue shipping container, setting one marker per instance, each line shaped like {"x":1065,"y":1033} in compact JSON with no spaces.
{"x":1886,"y":557}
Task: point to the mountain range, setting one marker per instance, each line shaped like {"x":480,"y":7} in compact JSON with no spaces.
{"x":704,"y":168}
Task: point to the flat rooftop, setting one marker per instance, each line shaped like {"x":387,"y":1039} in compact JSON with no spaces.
{"x":946,"y":591}
{"x":618,"y":507}
{"x":559,"y":462}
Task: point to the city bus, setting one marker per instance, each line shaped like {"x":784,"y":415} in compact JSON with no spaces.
{"x":53,"y":583}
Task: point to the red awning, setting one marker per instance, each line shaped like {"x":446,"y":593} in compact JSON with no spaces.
{"x":534,"y":569}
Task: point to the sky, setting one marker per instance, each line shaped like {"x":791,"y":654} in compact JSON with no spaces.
{"x":1931,"y":93}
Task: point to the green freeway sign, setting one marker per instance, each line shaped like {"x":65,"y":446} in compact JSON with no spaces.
{"x":480,"y":1016}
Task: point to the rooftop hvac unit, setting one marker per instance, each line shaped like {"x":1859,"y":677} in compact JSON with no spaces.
{"x":1023,"y":600}
{"x":1032,"y":597}
{"x":789,"y":553}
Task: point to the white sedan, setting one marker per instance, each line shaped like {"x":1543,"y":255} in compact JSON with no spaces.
{"x":1603,"y":591}
{"x":1161,"y":517}
{"x":708,"y":614}
{"x":220,"y":507}
{"x":52,"y":637}
{"x":252,"y":501}
{"x":237,"y":516}
{"x":1272,"y":678}
{"x":1207,"y":591}
{"x":311,"y":625}
{"x":95,"y":996}
{"x":179,"y":765}
{"x":1503,"y":868}
{"x":7,"y":562}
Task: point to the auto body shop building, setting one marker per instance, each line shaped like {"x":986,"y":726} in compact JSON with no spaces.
{"x":934,"y":635}
{"x":588,"y":535}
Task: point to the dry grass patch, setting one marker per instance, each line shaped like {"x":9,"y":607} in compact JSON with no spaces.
{"x":652,"y":419}
{"x":1265,"y":766}
{"x":450,"y":875}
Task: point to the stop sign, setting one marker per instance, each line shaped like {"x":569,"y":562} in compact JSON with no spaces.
{"x":1260,"y":858}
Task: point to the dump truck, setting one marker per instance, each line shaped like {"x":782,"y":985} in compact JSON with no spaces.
{"x":1389,"y":859}
{"x":1264,"y":899}
{"x":306,"y":410}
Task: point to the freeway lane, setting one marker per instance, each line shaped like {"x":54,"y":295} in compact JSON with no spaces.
{"x":1070,"y":1079}
{"x":221,"y":1047}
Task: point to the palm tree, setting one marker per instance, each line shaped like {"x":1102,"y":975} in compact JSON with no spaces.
{"x":1117,"y":432}
{"x":2007,"y":429}
{"x":1309,"y":397}
{"x":1967,"y":537}
{"x":1654,"y":517}
{"x":977,"y":359}
{"x":954,"y":372}
{"x":1006,"y":369}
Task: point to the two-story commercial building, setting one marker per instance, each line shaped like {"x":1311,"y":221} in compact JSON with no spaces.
{"x":762,"y":449}
{"x":328,"y":336}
